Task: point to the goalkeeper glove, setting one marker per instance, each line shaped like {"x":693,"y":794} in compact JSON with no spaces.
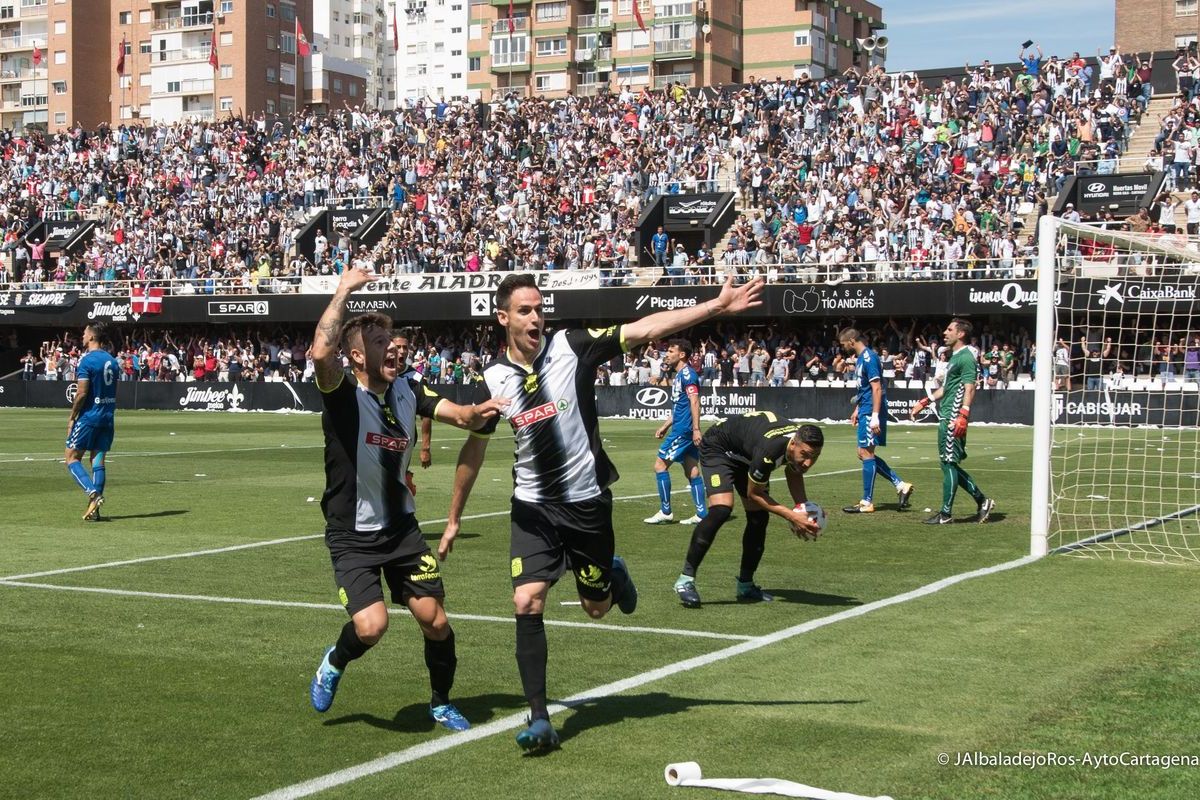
{"x":959,"y":426}
{"x":921,"y":405}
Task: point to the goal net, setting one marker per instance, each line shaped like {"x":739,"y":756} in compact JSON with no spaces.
{"x":1116,"y":445}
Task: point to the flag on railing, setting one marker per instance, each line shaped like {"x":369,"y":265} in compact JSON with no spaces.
{"x":512,"y":26}
{"x":37,"y":54}
{"x":637,"y":16}
{"x":302,"y":47}
{"x":145,"y":299}
{"x":395,"y":31}
{"x":121,"y":57}
{"x":213,"y":59}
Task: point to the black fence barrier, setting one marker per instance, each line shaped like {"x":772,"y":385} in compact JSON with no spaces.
{"x":1121,"y":408}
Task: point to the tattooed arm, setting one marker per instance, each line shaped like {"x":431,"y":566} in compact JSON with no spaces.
{"x":327,"y":364}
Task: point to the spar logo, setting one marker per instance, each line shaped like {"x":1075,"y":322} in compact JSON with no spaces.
{"x":538,"y":413}
{"x":652,"y":396}
{"x":392,"y":443}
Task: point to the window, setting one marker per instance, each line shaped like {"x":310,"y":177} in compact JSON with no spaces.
{"x":287,"y":13}
{"x":60,"y":118}
{"x":456,"y":53}
{"x":287,"y":43}
{"x":1185,"y":8}
{"x":1185,"y":40}
{"x":550,"y":81}
{"x":474,"y":64}
{"x":60,"y":26}
{"x":271,"y":10}
{"x":272,"y":76}
{"x":476,"y":31}
{"x":625,"y":7}
{"x":226,"y":38}
{"x":173,"y":86}
{"x":456,"y":76}
{"x":226,"y":6}
{"x":124,"y":83}
{"x":144,"y":47}
{"x":554,"y":46}
{"x":337,"y":84}
{"x":145,"y":17}
{"x":270,"y":106}
{"x":456,"y":30}
{"x":287,"y":74}
{"x":60,"y":56}
{"x":674,"y":10}
{"x":124,"y":17}
{"x":508,"y":51}
{"x":144,"y":79}
{"x":270,"y":43}
{"x":226,"y":71}
{"x":7,"y":12}
{"x":550,"y":12}
{"x":633,"y":40}
{"x":801,"y":38}
{"x":225,"y":104}
{"x":634,"y":75}
{"x":353,"y":89}
{"x":60,"y":87}
{"x":439,"y":47}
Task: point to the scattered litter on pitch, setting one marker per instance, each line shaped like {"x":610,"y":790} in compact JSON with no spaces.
{"x":688,"y":774}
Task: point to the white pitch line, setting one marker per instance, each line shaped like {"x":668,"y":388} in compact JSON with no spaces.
{"x":269,"y":542}
{"x":250,"y":601}
{"x":516,"y":721}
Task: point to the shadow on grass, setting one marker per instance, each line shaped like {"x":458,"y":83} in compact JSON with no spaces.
{"x":414,"y":718}
{"x":152,"y":515}
{"x":429,"y":536}
{"x":796,"y":596}
{"x":590,"y":714}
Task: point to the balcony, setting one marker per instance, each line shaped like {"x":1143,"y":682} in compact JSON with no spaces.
{"x":18,"y":42}
{"x":190,"y":86}
{"x":585,"y":55}
{"x":686,"y":78}
{"x":182,"y":23}
{"x":181,"y":55}
{"x":9,"y":74}
{"x":593,"y":21}
{"x":589,"y":89}
{"x":519,"y":25}
{"x":503,"y":62}
{"x":674,"y":48}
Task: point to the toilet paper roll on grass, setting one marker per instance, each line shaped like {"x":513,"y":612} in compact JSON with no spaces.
{"x":687,"y":773}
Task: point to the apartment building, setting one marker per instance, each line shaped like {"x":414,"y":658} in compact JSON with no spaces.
{"x":553,"y":47}
{"x":1144,"y":26}
{"x":59,"y":60}
{"x":430,"y":46}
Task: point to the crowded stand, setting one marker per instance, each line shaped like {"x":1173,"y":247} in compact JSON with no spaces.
{"x":860,"y":176}
{"x":729,"y":354}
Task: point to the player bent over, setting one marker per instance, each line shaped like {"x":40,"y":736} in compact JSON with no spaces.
{"x":90,"y":426}
{"x":369,"y":422}
{"x":870,"y":418}
{"x":682,"y":432}
{"x":739,"y":454}
{"x":956,"y":394}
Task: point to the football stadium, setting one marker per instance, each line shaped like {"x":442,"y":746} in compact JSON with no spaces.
{"x":846,"y":399}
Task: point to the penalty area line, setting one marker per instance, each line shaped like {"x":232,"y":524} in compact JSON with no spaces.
{"x":516,"y":721}
{"x":250,"y":601}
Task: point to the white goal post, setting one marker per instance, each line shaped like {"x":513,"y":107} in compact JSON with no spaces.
{"x":1116,"y":452}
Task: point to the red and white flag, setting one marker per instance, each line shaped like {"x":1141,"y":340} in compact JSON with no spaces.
{"x":302,"y":47}
{"x":512,"y":26}
{"x":637,"y":16}
{"x":213,"y":60}
{"x":145,"y":300}
{"x":121,"y":57}
{"x":37,"y":54}
{"x":395,"y":32}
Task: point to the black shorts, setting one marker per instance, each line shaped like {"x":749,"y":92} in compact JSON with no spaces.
{"x":722,"y":473}
{"x":400,"y":555}
{"x":550,"y":537}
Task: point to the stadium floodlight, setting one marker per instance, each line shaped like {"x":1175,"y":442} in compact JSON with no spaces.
{"x":1116,"y":456}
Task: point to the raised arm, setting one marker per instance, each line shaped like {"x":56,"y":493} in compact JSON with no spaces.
{"x":329,"y":328}
{"x":731,"y":300}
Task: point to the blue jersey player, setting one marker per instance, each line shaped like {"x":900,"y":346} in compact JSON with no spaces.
{"x":870,"y":418}
{"x":90,"y":428}
{"x":681,"y":436}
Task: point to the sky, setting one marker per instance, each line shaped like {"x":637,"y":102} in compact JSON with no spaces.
{"x":926,"y":34}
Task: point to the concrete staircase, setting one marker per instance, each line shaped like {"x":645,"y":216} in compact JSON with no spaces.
{"x":1141,"y":141}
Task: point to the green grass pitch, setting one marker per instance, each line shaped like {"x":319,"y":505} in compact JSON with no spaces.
{"x":114,"y":694}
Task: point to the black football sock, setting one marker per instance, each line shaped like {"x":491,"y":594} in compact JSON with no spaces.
{"x":703,"y":536}
{"x":754,"y":542}
{"x":348,"y":647}
{"x":531,"y":661}
{"x":441,"y":661}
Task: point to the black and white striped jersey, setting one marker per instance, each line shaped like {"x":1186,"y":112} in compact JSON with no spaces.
{"x":559,"y":458}
{"x":369,"y":440}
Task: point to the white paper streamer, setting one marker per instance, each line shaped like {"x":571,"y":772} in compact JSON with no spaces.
{"x":688,"y":774}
